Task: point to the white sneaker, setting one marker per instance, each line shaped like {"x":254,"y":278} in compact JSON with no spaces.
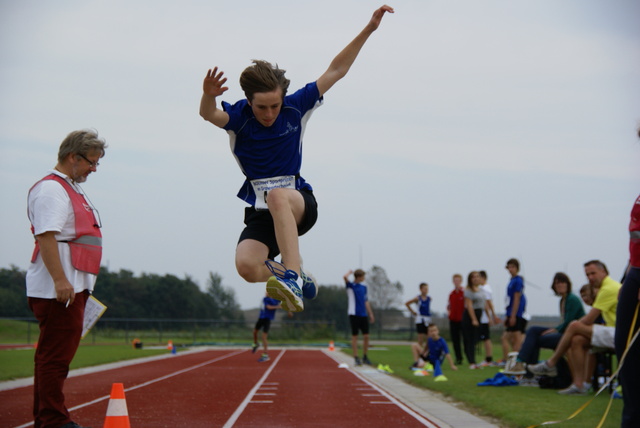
{"x":573,"y":390}
{"x":542,"y":369}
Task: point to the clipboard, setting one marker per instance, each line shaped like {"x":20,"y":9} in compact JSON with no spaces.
{"x":92,"y":313}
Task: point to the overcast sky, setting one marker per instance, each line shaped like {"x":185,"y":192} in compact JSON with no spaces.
{"x":467,"y":132}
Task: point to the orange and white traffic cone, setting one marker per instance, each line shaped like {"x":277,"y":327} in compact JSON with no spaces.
{"x":117,"y":414}
{"x":170,"y":345}
{"x":331,"y":346}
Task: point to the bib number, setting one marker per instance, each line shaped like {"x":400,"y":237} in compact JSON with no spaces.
{"x":262,"y":186}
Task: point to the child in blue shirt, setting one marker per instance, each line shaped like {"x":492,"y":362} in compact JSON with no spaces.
{"x":434,"y":352}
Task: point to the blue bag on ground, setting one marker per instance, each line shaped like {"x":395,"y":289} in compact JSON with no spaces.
{"x":500,"y":379}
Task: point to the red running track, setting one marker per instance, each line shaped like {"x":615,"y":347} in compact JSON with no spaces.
{"x":227,"y":388}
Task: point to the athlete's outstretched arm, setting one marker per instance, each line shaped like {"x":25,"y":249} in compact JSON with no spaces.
{"x":212,"y":88}
{"x":343,"y":61}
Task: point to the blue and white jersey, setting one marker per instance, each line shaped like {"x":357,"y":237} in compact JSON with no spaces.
{"x":424,"y":305}
{"x":275,"y":151}
{"x":424,"y":310}
{"x":357,"y":293}
{"x":268,"y":313}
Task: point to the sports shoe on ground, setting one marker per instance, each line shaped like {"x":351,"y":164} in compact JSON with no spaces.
{"x":500,"y":363}
{"x":365,"y":360}
{"x":263,"y":358}
{"x":573,"y":390}
{"x":254,"y":348}
{"x":387,"y":368}
{"x":357,"y":361}
{"x":474,"y":367}
{"x":428,"y":367}
{"x":528,"y":381}
{"x":441,"y":378}
{"x":421,"y":373}
{"x":283,"y":286}
{"x":515,"y":369}
{"x":309,"y":287}
{"x":485,"y":364}
{"x":542,"y":369}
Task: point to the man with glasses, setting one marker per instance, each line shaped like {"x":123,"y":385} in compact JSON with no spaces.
{"x":63,"y":269}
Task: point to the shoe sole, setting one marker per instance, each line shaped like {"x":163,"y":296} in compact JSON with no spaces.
{"x":289,"y":301}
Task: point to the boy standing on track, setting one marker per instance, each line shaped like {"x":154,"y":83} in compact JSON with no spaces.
{"x":358,"y":310}
{"x":267,"y":314}
{"x":265,"y":132}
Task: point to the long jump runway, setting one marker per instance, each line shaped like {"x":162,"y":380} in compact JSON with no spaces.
{"x":229,"y":388}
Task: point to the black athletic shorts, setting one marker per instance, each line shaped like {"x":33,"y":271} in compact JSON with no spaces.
{"x":483,"y":332}
{"x":421,"y":328}
{"x":259,"y":223}
{"x":359,"y":323}
{"x":264,"y":324}
{"x":521,"y":325}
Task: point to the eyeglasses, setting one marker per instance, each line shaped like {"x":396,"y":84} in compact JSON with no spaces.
{"x":91,"y":164}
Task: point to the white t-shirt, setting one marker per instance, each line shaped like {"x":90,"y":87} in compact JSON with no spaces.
{"x":488,"y":295}
{"x":50,"y":210}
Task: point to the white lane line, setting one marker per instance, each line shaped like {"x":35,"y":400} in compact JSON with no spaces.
{"x":248,"y":399}
{"x":426,"y":422}
{"x":179,"y":372}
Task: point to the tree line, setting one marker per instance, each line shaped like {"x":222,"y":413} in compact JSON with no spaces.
{"x":130,"y":296}
{"x":170,"y":297}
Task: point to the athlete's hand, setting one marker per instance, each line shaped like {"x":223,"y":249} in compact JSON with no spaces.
{"x":213,"y":82}
{"x":374,"y":23}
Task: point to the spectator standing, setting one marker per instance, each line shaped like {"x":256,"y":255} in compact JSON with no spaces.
{"x":360,"y":314}
{"x":515,"y":323}
{"x":423,"y":314}
{"x":455,"y":309}
{"x":488,"y":319}
{"x":474,"y":305}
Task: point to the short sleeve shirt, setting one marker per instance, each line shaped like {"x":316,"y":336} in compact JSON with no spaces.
{"x":357,"y":294}
{"x":274,"y":151}
{"x":607,"y":300}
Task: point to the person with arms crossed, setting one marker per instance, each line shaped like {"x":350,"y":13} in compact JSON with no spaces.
{"x":63,"y":269}
{"x":360,"y":314}
{"x":265,"y":132}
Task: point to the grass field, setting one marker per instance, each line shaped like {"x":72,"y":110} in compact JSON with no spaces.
{"x":514,"y":406}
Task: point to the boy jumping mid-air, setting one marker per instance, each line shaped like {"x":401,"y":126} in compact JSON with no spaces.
{"x":265,"y":132}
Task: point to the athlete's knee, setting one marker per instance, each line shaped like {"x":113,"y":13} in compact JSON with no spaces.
{"x":249,"y":271}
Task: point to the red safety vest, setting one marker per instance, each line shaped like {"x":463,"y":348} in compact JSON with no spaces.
{"x":86,"y":247}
